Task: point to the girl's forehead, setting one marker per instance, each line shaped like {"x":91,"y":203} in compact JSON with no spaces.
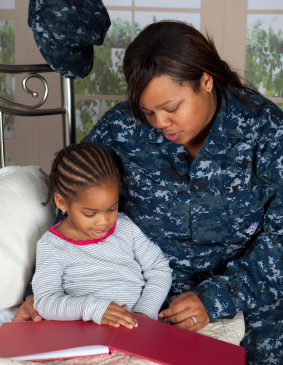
{"x":98,"y":198}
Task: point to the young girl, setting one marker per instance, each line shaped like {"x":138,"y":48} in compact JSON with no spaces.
{"x":95,"y":264}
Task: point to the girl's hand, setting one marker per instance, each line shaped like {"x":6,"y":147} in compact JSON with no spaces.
{"x":182,"y":308}
{"x":116,"y":316}
{"x":26,"y":312}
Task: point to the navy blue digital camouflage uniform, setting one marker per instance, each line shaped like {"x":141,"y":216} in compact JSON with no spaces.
{"x":65,"y":32}
{"x":219,"y":218}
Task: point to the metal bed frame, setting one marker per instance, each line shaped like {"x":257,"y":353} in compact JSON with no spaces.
{"x":67,"y":109}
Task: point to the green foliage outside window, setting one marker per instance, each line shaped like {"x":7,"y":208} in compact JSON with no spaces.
{"x":264,"y":60}
{"x":106,"y":78}
{"x":89,"y":116}
{"x":7,"y":55}
{"x":7,"y":41}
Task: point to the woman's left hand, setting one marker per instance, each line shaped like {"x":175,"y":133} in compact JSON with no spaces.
{"x":182,"y":308}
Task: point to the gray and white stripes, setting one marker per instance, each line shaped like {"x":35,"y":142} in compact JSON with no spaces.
{"x":78,"y":282}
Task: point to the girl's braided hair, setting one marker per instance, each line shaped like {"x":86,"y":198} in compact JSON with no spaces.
{"x":79,"y":167}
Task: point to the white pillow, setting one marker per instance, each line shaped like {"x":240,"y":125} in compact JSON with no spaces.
{"x":23,"y":220}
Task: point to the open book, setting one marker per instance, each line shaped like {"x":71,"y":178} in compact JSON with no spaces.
{"x":151,"y":340}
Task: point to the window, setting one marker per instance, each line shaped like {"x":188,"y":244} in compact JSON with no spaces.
{"x":264,"y":54}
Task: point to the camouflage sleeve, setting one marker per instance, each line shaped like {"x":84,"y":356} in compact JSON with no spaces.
{"x":255,"y":279}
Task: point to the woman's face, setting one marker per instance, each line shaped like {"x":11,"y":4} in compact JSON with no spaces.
{"x":183,"y":116}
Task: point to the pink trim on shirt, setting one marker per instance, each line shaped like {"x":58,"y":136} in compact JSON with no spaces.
{"x":80,"y":242}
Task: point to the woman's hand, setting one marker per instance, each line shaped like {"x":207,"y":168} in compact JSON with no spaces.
{"x":182,"y":308}
{"x":26,"y":312}
{"x":116,"y":316}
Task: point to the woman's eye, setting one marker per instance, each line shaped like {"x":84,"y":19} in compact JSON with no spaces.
{"x":89,"y":216}
{"x":172,"y":110}
{"x":148,"y":113}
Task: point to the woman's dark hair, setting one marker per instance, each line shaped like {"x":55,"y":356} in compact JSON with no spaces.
{"x":177,"y":49}
{"x":79,"y":167}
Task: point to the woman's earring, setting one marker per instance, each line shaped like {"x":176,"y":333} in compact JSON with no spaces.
{"x":63,"y":212}
{"x":208,"y":90}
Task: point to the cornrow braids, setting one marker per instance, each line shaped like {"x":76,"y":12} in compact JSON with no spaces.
{"x":81,"y":166}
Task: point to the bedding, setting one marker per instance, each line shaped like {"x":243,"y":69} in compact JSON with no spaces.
{"x":23,"y":220}
{"x":228,"y":330}
{"x":7,"y":314}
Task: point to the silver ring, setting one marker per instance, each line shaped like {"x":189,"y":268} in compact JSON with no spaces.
{"x":193,"y":318}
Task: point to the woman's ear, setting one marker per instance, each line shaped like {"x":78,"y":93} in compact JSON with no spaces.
{"x":207,"y":82}
{"x":60,"y":202}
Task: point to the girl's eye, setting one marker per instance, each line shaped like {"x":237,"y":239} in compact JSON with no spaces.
{"x":148,"y":113}
{"x":113,"y":209}
{"x":89,"y":216}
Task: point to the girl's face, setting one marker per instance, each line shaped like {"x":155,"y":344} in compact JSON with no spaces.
{"x":95,"y":211}
{"x":183,"y":116}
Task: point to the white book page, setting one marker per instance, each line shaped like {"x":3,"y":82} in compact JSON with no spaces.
{"x":74,"y":352}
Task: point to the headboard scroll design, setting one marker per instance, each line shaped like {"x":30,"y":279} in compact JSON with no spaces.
{"x":33,"y":93}
{"x":67,"y":109}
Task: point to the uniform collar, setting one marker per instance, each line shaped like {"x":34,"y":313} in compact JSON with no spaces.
{"x":230,"y":125}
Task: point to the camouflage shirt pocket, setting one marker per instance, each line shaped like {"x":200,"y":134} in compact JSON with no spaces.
{"x":246,"y":211}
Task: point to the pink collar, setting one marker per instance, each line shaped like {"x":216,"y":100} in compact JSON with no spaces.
{"x":80,"y":242}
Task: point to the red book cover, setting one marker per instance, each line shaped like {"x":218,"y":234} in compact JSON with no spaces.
{"x":152,"y":340}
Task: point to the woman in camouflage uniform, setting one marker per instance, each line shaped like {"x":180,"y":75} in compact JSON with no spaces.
{"x":202,"y":158}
